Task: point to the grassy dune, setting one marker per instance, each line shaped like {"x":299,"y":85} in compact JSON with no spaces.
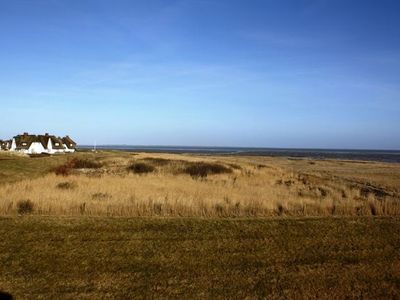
{"x":129,"y":258}
{"x":126,"y":225}
{"x":127,"y":184}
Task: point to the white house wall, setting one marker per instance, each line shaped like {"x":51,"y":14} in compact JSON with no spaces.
{"x":50,"y":149}
{"x":49,"y":146}
{"x":13,"y":145}
{"x":68,"y":150}
{"x":58,"y":151}
{"x":36,"y":148}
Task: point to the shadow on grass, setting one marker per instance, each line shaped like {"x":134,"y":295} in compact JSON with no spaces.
{"x":5,"y":296}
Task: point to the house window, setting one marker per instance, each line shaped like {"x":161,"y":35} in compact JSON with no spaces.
{"x":57,"y":144}
{"x":71,"y":145}
{"x":23,"y":144}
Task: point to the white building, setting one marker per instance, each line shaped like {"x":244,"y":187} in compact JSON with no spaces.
{"x":36,"y":144}
{"x":69,"y":144}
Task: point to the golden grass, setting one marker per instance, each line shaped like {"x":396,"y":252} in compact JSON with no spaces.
{"x":256,"y":186}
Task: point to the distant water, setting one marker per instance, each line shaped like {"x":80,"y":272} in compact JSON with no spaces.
{"x":368,"y":155}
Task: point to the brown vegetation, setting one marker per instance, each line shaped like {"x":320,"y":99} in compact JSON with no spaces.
{"x":67,"y":185}
{"x":141,"y":168}
{"x":25,"y":207}
{"x":226,"y":253}
{"x":195,"y":258}
{"x":229,"y":187}
{"x":203,"y":169}
{"x":76,"y":163}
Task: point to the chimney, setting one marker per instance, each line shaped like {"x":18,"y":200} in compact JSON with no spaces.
{"x":46,"y":134}
{"x":25,"y":133}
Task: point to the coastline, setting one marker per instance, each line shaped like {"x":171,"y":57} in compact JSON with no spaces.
{"x":389,"y":156}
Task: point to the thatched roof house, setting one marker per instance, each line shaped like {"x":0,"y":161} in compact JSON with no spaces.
{"x":69,"y":144}
{"x":24,"y":141}
{"x":52,"y":142}
{"x":31,"y":144}
{"x":5,"y":145}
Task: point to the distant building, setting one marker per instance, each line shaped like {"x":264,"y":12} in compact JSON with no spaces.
{"x":5,"y":145}
{"x":69,"y":144}
{"x":36,"y":144}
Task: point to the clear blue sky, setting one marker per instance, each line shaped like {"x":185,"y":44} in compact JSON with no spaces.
{"x":312,"y":73}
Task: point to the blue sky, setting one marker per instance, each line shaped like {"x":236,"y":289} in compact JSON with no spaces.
{"x":300,"y":73}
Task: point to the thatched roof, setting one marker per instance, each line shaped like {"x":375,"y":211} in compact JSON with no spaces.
{"x":5,"y":145}
{"x":69,"y":142}
{"x":25,"y":140}
{"x":56,"y":142}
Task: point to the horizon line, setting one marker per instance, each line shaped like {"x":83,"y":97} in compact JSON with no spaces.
{"x":238,"y":147}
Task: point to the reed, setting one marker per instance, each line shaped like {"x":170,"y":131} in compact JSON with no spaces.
{"x":231,"y":187}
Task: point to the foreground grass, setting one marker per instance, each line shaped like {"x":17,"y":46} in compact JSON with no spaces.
{"x":49,"y":257}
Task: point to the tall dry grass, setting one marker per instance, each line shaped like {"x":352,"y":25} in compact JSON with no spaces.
{"x":245,"y":188}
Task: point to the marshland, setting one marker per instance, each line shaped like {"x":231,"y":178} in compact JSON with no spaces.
{"x":182,"y":185}
{"x":117,"y":224}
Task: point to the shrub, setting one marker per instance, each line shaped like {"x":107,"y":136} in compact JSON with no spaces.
{"x":203,"y":169}
{"x":140,"y":168}
{"x":66,"y":185}
{"x":157,"y":161}
{"x":25,"y":207}
{"x":101,"y":196}
{"x":77,"y":163}
{"x":63,"y":170}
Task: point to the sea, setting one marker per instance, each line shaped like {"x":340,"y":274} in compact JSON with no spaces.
{"x":392,"y":156}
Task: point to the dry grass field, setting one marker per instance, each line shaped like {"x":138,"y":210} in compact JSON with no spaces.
{"x":131,"y":184}
{"x":193,"y":258}
{"x":119,"y":225}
